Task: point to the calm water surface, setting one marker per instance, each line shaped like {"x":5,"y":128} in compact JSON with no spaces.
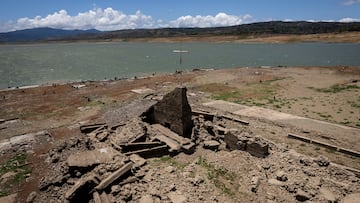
{"x":47,"y":63}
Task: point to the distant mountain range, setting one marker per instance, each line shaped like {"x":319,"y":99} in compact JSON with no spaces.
{"x":43,"y":34}
{"x":261,"y":28}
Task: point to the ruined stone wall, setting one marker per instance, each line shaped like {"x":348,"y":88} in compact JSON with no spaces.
{"x":174,"y":112}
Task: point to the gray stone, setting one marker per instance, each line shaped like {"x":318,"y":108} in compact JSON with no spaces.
{"x":114,"y":176}
{"x":31,"y":197}
{"x":275,"y":182}
{"x":169,"y":169}
{"x":211,"y":144}
{"x":76,"y":191}
{"x":93,"y":157}
{"x":138,"y":160}
{"x":254,"y":184}
{"x":232,"y":142}
{"x":257,"y":148}
{"x":322,"y":161}
{"x":281,"y":176}
{"x":302,"y":196}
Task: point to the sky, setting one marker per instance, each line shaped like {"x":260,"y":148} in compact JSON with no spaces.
{"x":130,"y":14}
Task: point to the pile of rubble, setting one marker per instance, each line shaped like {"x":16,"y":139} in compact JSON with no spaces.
{"x":109,"y":163}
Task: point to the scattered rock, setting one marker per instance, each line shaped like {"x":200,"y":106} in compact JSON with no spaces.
{"x":176,"y":197}
{"x":197,"y":180}
{"x":81,"y":187}
{"x":254,"y":184}
{"x":31,"y":197}
{"x":146,"y":199}
{"x":169,"y":169}
{"x":7,"y":176}
{"x":302,"y":196}
{"x":322,"y":161}
{"x":172,"y":187}
{"x":281,"y":176}
{"x":211,"y":144}
{"x":258,"y":148}
{"x":117,"y":155}
{"x":93,"y":157}
{"x":246,"y":142}
{"x":275,"y":182}
{"x":138,"y":160}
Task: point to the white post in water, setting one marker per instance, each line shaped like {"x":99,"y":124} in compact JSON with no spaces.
{"x":180,"y":62}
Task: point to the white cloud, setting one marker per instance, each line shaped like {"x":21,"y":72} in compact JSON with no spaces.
{"x":101,"y":19}
{"x":111,"y":19}
{"x":221,"y":19}
{"x":349,"y":20}
{"x":350,"y":2}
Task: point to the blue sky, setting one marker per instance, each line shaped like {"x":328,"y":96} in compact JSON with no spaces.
{"x":129,"y":14}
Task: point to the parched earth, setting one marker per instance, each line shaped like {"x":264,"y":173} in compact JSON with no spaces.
{"x":293,"y":171}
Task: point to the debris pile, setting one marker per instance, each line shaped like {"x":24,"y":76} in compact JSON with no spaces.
{"x":110,"y":163}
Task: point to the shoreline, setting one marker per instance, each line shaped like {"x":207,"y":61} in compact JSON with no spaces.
{"x":49,"y":84}
{"x":346,"y":37}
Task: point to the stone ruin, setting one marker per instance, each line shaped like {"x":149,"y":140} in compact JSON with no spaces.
{"x":108,"y":162}
{"x":166,"y":128}
{"x":173,"y":112}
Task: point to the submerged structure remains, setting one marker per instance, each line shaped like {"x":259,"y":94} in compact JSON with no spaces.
{"x":173,"y":112}
{"x":108,"y":163}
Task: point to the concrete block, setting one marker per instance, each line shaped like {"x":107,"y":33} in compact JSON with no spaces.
{"x":258,"y":149}
{"x":92,"y":157}
{"x":151,"y":152}
{"x":81,"y":187}
{"x":128,"y":147}
{"x":114,"y":176}
{"x":173,"y":145}
{"x":138,"y":160}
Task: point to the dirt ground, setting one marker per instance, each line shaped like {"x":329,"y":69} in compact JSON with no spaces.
{"x":348,"y":37}
{"x":330,"y":94}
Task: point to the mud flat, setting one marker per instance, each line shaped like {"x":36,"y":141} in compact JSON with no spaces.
{"x":231,"y":154}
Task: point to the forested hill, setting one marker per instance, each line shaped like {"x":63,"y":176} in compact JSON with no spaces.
{"x":261,"y":28}
{"x":273,"y":27}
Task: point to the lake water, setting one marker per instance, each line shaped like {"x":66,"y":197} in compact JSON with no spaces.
{"x":48,"y":63}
